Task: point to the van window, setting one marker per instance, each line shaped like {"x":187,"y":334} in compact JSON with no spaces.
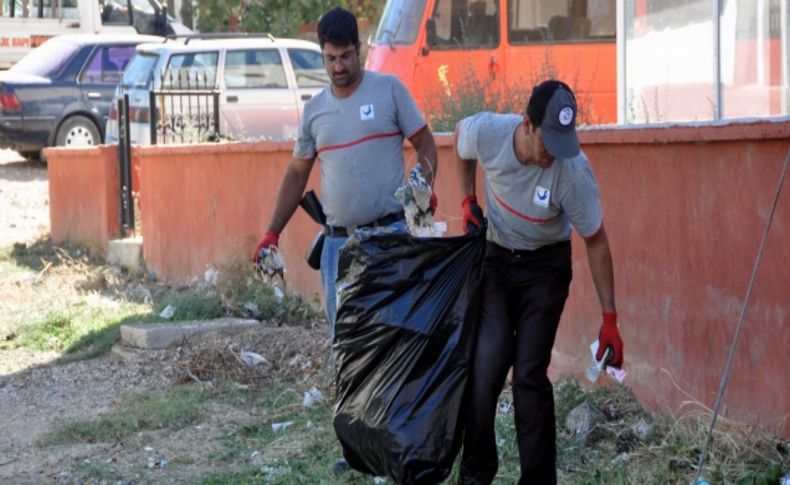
{"x":308,"y":68}
{"x":465,"y":24}
{"x":66,"y":9}
{"x":107,"y":64}
{"x":540,"y":21}
{"x":262,"y":68}
{"x":669,"y":14}
{"x":192,"y":69}
{"x":114,"y":12}
{"x":140,"y":71}
{"x":400,"y":22}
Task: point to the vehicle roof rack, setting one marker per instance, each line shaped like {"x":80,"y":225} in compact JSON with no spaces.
{"x":220,"y":35}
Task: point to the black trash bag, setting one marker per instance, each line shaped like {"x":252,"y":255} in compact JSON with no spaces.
{"x":407,"y":312}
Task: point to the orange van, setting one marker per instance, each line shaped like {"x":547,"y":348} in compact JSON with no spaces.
{"x":501,"y":47}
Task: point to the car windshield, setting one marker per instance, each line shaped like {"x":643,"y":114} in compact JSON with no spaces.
{"x":400,"y":22}
{"x":47,"y":59}
{"x":139,"y":72}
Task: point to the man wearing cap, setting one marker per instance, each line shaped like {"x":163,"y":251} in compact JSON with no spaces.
{"x":538,"y":184}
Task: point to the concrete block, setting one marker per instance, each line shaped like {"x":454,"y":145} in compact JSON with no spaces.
{"x":164,"y":335}
{"x":127,"y":253}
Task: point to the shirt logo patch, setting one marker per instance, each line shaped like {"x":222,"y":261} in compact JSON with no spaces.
{"x":566,"y":116}
{"x":366,"y":112}
{"x":541,"y":197}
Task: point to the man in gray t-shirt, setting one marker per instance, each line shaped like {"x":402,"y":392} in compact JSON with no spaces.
{"x":355,"y":128}
{"x":538,"y":185}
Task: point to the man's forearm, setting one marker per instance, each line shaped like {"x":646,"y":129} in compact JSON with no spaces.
{"x":427,"y":157}
{"x":599,"y":258}
{"x":289,"y":194}
{"x":466,"y":169}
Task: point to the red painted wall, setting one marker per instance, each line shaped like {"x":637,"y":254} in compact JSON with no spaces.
{"x":685,"y":208}
{"x":685,"y":211}
{"x":209,"y":204}
{"x":84,"y":201}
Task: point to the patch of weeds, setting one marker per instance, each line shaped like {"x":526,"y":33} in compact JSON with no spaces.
{"x":568,"y":394}
{"x":84,"y":331}
{"x":100,"y":340}
{"x":8,"y":266}
{"x":507,"y":443}
{"x":52,"y":332}
{"x":191,"y":306}
{"x":43,"y":253}
{"x":176,"y":409}
{"x":301,"y":453}
{"x":243,"y":293}
{"x":471,"y":95}
{"x":97,"y":473}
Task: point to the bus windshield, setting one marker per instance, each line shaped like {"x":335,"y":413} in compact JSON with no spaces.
{"x":47,"y":59}
{"x":400,"y":22}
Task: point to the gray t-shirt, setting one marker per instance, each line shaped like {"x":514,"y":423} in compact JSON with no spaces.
{"x":359,"y":144}
{"x":529,"y":207}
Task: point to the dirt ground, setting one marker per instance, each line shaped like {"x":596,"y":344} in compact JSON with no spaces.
{"x":35,"y":396}
{"x":24,"y":199}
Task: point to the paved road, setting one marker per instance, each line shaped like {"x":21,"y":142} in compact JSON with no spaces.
{"x":24,"y":199}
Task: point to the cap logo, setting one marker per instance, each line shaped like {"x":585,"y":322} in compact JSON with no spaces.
{"x":566,"y":116}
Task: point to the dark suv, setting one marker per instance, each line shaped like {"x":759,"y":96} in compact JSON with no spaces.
{"x":60,"y":93}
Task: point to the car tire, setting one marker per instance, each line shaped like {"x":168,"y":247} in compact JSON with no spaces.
{"x":31,"y":156}
{"x":78,"y":131}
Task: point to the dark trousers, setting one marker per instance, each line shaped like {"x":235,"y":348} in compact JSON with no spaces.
{"x":523,"y":297}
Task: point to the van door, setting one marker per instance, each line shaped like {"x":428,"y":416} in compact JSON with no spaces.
{"x":572,"y":40}
{"x":461,"y":54}
{"x":256,"y":101}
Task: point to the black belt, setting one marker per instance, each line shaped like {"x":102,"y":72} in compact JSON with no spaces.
{"x":520,"y":253}
{"x":339,"y":231}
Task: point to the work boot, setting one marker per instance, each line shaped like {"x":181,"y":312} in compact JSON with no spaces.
{"x":340,"y":466}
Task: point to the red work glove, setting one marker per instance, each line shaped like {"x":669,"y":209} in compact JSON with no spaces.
{"x":473,"y":214}
{"x":269,"y":238}
{"x":434,"y":203}
{"x":609,"y":336}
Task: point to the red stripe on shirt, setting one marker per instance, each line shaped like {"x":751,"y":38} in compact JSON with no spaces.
{"x":523,"y":216}
{"x":357,"y":142}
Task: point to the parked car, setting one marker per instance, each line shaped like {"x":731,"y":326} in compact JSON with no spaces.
{"x":60,"y":93}
{"x":263,"y":83}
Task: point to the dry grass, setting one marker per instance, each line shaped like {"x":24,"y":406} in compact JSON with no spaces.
{"x":289,"y":353}
{"x":735,"y":448}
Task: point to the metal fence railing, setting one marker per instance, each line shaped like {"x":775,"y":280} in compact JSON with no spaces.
{"x":185,"y":108}
{"x":125,"y":167}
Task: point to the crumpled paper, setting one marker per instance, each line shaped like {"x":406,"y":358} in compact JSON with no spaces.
{"x":271,"y":262}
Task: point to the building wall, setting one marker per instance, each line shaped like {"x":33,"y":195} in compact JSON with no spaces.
{"x":685,"y":208}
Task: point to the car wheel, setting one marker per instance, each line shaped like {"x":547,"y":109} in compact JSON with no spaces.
{"x":78,"y":131}
{"x":31,"y":156}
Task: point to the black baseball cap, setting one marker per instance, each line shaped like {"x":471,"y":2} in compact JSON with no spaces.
{"x":552,"y":107}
